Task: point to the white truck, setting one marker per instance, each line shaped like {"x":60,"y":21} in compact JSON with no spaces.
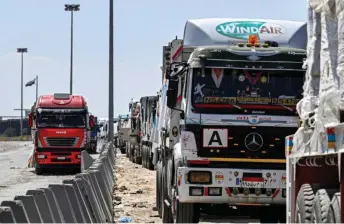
{"x":315,"y":166}
{"x":228,"y":100}
{"x":141,"y":132}
{"x":123,"y":128}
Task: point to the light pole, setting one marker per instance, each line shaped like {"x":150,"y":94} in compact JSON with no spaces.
{"x":111,"y":120}
{"x":21,"y":51}
{"x":71,"y":8}
{"x":111,"y":131}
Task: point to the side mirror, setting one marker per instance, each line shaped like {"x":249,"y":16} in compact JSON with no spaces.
{"x":175,"y":72}
{"x":30,"y":120}
{"x":101,"y":125}
{"x":91,"y":121}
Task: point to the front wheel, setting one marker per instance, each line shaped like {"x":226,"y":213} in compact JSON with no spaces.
{"x":158,"y":187}
{"x":38,"y":171}
{"x":186,"y":212}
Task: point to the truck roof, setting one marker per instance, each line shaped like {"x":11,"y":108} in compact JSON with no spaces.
{"x":229,"y":31}
{"x":72,"y":101}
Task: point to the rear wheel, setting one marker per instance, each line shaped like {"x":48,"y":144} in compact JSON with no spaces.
{"x":127,"y":151}
{"x":144,"y":156}
{"x":150,"y":165}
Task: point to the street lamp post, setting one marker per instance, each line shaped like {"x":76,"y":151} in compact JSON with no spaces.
{"x":21,"y":51}
{"x":111,"y":112}
{"x":71,"y":8}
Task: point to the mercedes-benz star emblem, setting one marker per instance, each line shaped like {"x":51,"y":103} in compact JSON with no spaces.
{"x":254,"y":141}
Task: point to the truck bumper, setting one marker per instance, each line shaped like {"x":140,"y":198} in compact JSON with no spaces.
{"x":233,"y":186}
{"x":58,"y":158}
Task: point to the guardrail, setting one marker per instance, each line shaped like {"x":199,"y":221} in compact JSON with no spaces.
{"x":87,"y":198}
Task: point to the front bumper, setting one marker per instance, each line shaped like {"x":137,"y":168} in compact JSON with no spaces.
{"x":234,"y":186}
{"x":58,"y":158}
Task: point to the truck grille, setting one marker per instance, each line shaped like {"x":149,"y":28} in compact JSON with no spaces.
{"x":272,"y":144}
{"x":69,"y":142}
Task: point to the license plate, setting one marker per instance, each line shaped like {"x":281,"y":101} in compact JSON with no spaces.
{"x":252,"y":184}
{"x":61,"y":158}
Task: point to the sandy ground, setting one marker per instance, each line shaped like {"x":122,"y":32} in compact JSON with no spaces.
{"x":15,"y":177}
{"x":134,"y":192}
{"x":135,"y":196}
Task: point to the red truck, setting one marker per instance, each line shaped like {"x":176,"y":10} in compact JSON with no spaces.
{"x":60,"y":125}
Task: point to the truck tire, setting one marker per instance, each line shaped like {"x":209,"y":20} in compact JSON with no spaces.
{"x":39,"y":171}
{"x":127,"y":151}
{"x":187,"y":213}
{"x":144,"y":156}
{"x":138,"y":155}
{"x":131,"y":155}
{"x":304,"y":203}
{"x":158,"y":187}
{"x":335,"y":209}
{"x":184,"y":212}
{"x":150,"y":164}
{"x":165,"y":210}
{"x":321,"y":207}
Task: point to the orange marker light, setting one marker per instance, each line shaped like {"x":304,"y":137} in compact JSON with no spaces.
{"x":252,"y":39}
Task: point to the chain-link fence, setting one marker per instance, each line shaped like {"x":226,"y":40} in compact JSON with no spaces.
{"x":10,"y":130}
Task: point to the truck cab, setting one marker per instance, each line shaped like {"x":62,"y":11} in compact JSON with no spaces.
{"x":230,"y":101}
{"x":60,"y":125}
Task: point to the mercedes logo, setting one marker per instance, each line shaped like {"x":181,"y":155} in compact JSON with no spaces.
{"x":253,"y":141}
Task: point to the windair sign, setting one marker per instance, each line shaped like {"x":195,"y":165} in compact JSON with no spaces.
{"x":242,"y":29}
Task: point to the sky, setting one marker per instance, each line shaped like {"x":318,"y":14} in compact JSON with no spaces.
{"x":141,"y":29}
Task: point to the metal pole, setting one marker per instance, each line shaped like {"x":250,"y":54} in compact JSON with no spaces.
{"x":36,"y":88}
{"x":71,"y":54}
{"x":111,"y":112}
{"x":21,"y":94}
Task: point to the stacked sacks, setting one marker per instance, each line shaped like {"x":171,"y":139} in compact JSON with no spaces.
{"x":323,"y":88}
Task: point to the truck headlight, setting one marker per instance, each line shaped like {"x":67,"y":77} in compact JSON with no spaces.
{"x":40,"y":156}
{"x":196,"y":191}
{"x":199,"y":177}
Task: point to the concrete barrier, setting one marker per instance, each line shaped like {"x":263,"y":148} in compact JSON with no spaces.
{"x":30,"y":207}
{"x":81,"y":201}
{"x":6,"y":215}
{"x":56,"y":210}
{"x":18,"y":210}
{"x":86,"y":198}
{"x":42,"y":205}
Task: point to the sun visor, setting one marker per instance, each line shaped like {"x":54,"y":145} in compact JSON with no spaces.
{"x":210,"y":32}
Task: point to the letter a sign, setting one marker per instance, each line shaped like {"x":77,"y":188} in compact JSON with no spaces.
{"x":217,"y":138}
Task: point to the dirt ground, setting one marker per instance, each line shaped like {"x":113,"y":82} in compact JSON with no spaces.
{"x":134,"y":192}
{"x":134,"y":196}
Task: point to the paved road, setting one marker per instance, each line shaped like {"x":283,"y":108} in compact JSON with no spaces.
{"x":15,"y":177}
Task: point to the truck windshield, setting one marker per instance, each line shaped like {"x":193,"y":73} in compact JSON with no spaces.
{"x":45,"y":120}
{"x":249,"y":90}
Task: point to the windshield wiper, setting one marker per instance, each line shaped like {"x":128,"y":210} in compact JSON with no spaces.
{"x":236,"y":106}
{"x":288,"y":108}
